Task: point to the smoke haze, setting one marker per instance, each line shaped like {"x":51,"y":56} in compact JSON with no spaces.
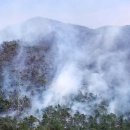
{"x":71,"y":59}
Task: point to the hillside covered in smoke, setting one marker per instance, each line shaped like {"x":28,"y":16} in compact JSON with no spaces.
{"x":45,"y":63}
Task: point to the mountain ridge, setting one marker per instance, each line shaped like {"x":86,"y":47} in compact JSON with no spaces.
{"x":38,"y":27}
{"x":54,"y":62}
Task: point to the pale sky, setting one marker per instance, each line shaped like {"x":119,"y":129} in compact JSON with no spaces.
{"x":90,"y":13}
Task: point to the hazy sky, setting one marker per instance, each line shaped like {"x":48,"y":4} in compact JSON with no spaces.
{"x":91,"y":13}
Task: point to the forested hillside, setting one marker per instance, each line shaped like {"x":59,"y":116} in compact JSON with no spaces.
{"x":56,"y":76}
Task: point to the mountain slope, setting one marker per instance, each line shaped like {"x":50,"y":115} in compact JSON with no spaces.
{"x":51,"y":63}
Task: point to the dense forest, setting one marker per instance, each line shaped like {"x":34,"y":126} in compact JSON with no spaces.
{"x":61,"y":118}
{"x":66,"y":75}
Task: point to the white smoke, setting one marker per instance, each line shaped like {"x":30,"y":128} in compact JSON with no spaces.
{"x":81,"y":55}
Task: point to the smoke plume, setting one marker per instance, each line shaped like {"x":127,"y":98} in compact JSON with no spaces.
{"x":72,"y":60}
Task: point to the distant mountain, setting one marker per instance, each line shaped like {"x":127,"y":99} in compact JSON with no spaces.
{"x":37,"y":28}
{"x":52,"y":63}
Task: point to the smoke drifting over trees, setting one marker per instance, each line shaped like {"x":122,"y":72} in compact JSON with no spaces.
{"x":45,"y":62}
